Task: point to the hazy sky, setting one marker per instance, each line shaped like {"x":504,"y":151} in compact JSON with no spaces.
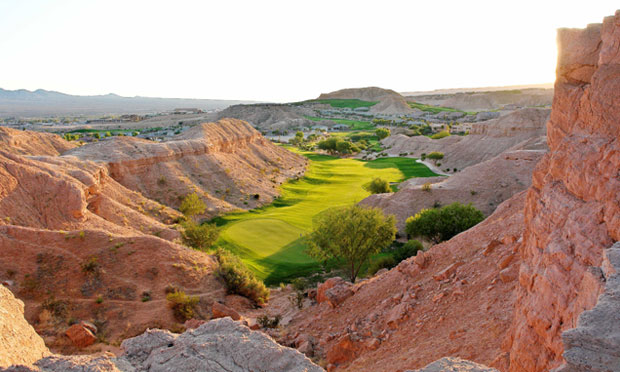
{"x":280,"y":50}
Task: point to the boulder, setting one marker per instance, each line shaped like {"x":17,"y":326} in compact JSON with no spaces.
{"x":338,"y":294}
{"x":221,"y":311}
{"x":322,"y":288}
{"x":454,"y":365}
{"x":80,"y":335}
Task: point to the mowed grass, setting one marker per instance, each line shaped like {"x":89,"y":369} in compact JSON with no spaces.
{"x":270,"y":240}
{"x":343,"y":103}
{"x":354,"y":125}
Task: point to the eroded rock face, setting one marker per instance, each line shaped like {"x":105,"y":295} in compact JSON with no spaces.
{"x":572,"y":211}
{"x":594,"y":346}
{"x":19,"y":343}
{"x":221,"y":345}
{"x":32,"y":143}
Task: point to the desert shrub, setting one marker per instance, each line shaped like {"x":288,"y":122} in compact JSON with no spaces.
{"x":90,"y":266}
{"x":385,"y":262}
{"x":407,"y":250}
{"x":444,"y":223}
{"x":182,"y":305}
{"x":379,"y":186}
{"x":192,"y":205}
{"x":146,"y":296}
{"x":239,"y":279}
{"x":426,"y":187}
{"x":58,"y":308}
{"x":423,"y":156}
{"x":297,"y":299}
{"x":440,"y":135}
{"x":200,"y":237}
{"x":266,"y":322}
{"x":382,"y":133}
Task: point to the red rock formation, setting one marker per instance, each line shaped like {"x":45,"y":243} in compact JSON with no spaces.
{"x":573,"y":207}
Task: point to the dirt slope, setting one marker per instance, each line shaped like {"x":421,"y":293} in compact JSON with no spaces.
{"x":32,"y":143}
{"x":521,"y":130}
{"x":453,"y":304}
{"x":485,"y":185}
{"x":491,"y":100}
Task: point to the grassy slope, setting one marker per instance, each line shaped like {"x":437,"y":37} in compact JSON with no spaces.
{"x":270,"y":239}
{"x":435,"y":109}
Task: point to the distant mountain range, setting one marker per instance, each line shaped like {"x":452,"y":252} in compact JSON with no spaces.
{"x":45,"y":102}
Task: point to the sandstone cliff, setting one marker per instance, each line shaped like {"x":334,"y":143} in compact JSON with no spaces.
{"x":572,"y":210}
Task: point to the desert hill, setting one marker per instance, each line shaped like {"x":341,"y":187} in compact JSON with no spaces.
{"x":486,"y":185}
{"x":389,"y":101}
{"x":266,"y":117}
{"x":487,"y":100}
{"x":523,"y":129}
{"x":85,"y":239}
{"x":518,"y":291}
{"x":44,"y":102}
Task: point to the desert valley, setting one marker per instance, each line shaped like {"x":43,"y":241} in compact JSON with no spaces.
{"x":360,"y":230}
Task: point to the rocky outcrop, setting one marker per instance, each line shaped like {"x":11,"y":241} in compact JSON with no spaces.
{"x":220,"y":346}
{"x":388,"y":101}
{"x":521,"y":130}
{"x":594,"y":346}
{"x":32,"y":143}
{"x":82,"y":237}
{"x":19,"y":343}
{"x":489,"y":100}
{"x":486,"y":185}
{"x":270,"y":117}
{"x":572,"y":212}
{"x":228,"y":163}
{"x":454,"y":365}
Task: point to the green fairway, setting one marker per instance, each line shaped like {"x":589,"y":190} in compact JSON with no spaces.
{"x":270,"y":239}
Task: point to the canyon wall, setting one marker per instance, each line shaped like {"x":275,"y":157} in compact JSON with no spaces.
{"x":572,"y":211}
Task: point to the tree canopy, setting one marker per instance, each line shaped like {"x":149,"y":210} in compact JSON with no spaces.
{"x":351,"y":233}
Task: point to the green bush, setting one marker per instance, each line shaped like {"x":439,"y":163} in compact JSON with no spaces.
{"x":200,"y":237}
{"x":441,"y":134}
{"x":239,"y":279}
{"x":444,"y":223}
{"x":385,"y":262}
{"x":182,"y":305}
{"x":266,"y":322}
{"x":379,"y":186}
{"x":408,"y":249}
{"x":382,"y":133}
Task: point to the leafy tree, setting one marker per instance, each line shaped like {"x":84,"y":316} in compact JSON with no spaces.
{"x":108,"y":134}
{"x":200,"y":237}
{"x":97,"y":135}
{"x":434,"y":156}
{"x":444,"y":223}
{"x":192,"y":205}
{"x":379,"y":186}
{"x":351,"y":233}
{"x":135,"y":133}
{"x":344,"y":147}
{"x":382,"y":133}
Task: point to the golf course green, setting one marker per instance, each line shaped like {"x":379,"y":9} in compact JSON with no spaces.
{"x":270,"y":240}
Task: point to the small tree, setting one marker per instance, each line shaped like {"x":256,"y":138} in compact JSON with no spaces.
{"x":200,"y":237}
{"x":192,"y":205}
{"x":440,"y":135}
{"x":351,"y":233}
{"x":379,"y":186}
{"x":444,"y":223}
{"x":434,"y":156}
{"x":382,"y":133}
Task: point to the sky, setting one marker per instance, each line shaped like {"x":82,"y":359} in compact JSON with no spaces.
{"x":281,"y":51}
